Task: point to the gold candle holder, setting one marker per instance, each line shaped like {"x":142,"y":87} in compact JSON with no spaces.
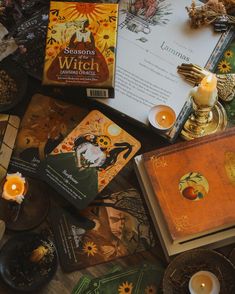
{"x":208,"y":114}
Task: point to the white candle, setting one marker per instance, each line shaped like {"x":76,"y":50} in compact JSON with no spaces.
{"x":14,"y":187}
{"x":206,"y":93}
{"x":204,"y":282}
{"x":162,"y":117}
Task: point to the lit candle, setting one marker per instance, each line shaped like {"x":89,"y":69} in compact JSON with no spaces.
{"x":204,"y":282}
{"x":14,"y":187}
{"x":162,"y":117}
{"x":206,"y":93}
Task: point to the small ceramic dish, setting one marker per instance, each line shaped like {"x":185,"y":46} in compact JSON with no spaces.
{"x":180,"y":270}
{"x":22,"y":266}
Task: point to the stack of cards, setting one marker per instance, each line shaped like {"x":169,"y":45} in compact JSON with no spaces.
{"x":143,"y":279}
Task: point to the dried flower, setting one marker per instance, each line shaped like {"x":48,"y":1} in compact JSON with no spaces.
{"x":214,"y":11}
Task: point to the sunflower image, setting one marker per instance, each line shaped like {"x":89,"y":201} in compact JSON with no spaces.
{"x":125,"y":288}
{"x":91,"y":11}
{"x":90,"y":248}
{"x":105,"y":38}
{"x":224,"y":66}
{"x":228,"y":54}
{"x":103,"y":141}
{"x":150,"y":290}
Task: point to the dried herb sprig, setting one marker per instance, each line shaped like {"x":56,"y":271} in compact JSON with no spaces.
{"x":211,"y":12}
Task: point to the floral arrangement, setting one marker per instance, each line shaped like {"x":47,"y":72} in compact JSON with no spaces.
{"x":216,"y":12}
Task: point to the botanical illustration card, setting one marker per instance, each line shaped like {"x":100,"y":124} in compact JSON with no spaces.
{"x":9,"y":125}
{"x":46,"y":123}
{"x":113,"y":226}
{"x":194,"y":183}
{"x":88,"y":159}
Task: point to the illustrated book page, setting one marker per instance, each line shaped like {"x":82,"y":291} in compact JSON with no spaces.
{"x":194,"y":183}
{"x":153,"y":40}
{"x":88,"y":159}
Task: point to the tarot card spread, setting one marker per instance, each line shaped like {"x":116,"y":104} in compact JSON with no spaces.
{"x":113,"y":226}
{"x":88,"y":159}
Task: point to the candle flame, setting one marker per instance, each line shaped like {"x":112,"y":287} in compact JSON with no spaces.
{"x":203,"y":285}
{"x":163,"y":117}
{"x":13,"y":187}
{"x":209,"y":78}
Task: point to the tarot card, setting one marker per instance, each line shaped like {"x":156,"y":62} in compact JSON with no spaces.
{"x":143,"y":279}
{"x":82,"y":285}
{"x":113,"y":226}
{"x":85,"y":281}
{"x":7,"y":45}
{"x":9,"y":125}
{"x":46,"y":123}
{"x":88,"y":159}
{"x":30,"y":32}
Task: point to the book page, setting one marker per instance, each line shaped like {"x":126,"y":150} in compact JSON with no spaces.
{"x":154,"y":38}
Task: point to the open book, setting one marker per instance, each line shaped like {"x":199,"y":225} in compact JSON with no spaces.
{"x":151,"y":44}
{"x":190,"y":188}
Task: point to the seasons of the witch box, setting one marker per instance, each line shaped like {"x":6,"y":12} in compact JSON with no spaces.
{"x":81,"y":45}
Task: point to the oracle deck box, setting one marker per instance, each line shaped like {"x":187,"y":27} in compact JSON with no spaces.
{"x":81,"y":46}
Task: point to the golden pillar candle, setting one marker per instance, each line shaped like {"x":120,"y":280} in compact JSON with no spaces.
{"x":204,"y":282}
{"x":14,"y":187}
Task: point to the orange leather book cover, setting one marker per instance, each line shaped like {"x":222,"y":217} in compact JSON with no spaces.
{"x":194,"y":183}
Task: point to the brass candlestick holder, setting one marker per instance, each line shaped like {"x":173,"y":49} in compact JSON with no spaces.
{"x":204,"y":120}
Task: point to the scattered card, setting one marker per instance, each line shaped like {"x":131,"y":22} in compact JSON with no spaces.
{"x":9,"y":125}
{"x":88,"y":159}
{"x":30,"y":32}
{"x":145,"y":278}
{"x":46,"y":123}
{"x":111,"y":227}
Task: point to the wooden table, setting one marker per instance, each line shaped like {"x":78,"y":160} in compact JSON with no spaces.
{"x":63,"y":283}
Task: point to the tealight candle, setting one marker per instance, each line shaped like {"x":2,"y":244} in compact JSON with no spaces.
{"x":206,"y":93}
{"x":14,"y":187}
{"x":162,"y":117}
{"x":204,"y":282}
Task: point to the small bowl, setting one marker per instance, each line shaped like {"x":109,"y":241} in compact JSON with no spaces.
{"x":16,"y":73}
{"x":16,"y":269}
{"x":167,"y":112}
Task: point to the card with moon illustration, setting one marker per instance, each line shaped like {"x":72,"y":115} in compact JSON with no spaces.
{"x":194,"y":183}
{"x":46,"y":123}
{"x":88,"y":159}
